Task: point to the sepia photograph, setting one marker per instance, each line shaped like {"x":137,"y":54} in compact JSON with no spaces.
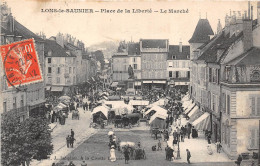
{"x":137,"y":82}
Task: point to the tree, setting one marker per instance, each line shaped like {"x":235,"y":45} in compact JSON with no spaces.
{"x":23,"y":141}
{"x":100,"y":57}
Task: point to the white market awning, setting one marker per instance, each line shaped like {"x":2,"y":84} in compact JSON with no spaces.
{"x":138,"y":102}
{"x":188,"y":109}
{"x":137,"y":83}
{"x":159,"y":82}
{"x":202,"y":122}
{"x":193,"y":111}
{"x":147,"y":82}
{"x":114,"y":84}
{"x":48,"y":87}
{"x":157,"y":115}
{"x":56,"y":88}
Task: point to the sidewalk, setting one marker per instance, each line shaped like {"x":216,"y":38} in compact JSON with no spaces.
{"x":60,"y":132}
{"x":198,"y":149}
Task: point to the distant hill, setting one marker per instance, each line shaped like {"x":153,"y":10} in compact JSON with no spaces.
{"x":107,"y":47}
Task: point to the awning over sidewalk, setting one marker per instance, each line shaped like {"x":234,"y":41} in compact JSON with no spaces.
{"x":48,"y":87}
{"x":193,"y":111}
{"x":114,"y":84}
{"x":202,"y":123}
{"x":186,"y":104}
{"x":56,"y":88}
{"x":138,"y":83}
{"x":194,"y":106}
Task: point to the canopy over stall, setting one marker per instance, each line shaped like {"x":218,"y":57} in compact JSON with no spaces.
{"x":138,"y":102}
{"x":157,"y":109}
{"x":101,"y":109}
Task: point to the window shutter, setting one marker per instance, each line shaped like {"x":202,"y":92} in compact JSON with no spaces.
{"x":258,"y":106}
{"x":252,"y":143}
{"x":252,"y":105}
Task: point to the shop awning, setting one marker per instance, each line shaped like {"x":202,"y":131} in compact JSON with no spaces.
{"x":159,"y":82}
{"x":48,"y":87}
{"x":202,"y":122}
{"x":114,"y":84}
{"x":190,"y":107}
{"x":138,"y":102}
{"x":56,"y":88}
{"x":118,"y":88}
{"x":193,"y":111}
{"x":147,"y":82}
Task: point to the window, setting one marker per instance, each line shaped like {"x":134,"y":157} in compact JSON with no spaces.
{"x":210,"y":74}
{"x":58,"y":80}
{"x":255,"y":76}
{"x":49,"y":70}
{"x":14,"y":103}
{"x":69,"y":70}
{"x":228,"y":104}
{"x":188,"y":74}
{"x":177,"y":74}
{"x":135,"y":66}
{"x":58,"y":70}
{"x":224,"y":102}
{"x":74,"y":60}
{"x":254,"y":139}
{"x":49,"y":80}
{"x":213,"y":102}
{"x":4,"y":106}
{"x":134,"y":60}
{"x":170,"y":64}
{"x":22,"y":102}
{"x":49,"y":60}
{"x":176,"y":64}
{"x":255,"y":105}
{"x":170,"y":74}
{"x":74,"y":69}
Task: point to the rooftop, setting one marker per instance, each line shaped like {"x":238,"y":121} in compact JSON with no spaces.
{"x":202,"y":32}
{"x":133,"y":49}
{"x":174,"y":52}
{"x":55,"y":48}
{"x":154,"y":43}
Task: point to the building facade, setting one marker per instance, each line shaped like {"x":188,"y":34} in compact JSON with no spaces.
{"x":31,"y":99}
{"x":225,"y":83}
{"x":178,"y":66}
{"x":60,"y":69}
{"x":154,"y":53}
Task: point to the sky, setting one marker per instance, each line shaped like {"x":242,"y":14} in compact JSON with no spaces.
{"x":92,"y":28}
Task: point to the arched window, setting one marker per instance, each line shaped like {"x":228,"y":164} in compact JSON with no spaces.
{"x":255,"y":76}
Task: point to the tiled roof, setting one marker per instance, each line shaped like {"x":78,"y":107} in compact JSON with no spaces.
{"x":202,"y":32}
{"x":219,"y":42}
{"x":133,"y":49}
{"x":174,"y":51}
{"x":154,"y":43}
{"x":24,"y":32}
{"x":57,"y":50}
{"x":250,"y":57}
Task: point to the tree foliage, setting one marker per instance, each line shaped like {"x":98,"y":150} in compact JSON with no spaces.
{"x":100,"y":57}
{"x":22,"y":141}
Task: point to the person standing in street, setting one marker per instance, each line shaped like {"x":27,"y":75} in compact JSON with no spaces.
{"x":72,"y":133}
{"x":159,"y":145}
{"x":126,"y":155}
{"x":112,"y":154}
{"x":68,"y":141}
{"x":72,"y":139}
{"x":188,"y":156}
{"x":239,"y":160}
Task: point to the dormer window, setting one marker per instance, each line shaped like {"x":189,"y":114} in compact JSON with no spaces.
{"x":255,"y":76}
{"x":49,"y":53}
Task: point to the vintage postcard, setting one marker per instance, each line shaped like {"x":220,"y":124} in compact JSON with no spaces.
{"x":93,"y":83}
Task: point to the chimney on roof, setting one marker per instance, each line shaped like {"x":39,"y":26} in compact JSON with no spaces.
{"x":11,"y":23}
{"x":248,"y":34}
{"x":252,"y":13}
{"x":180,"y":47}
{"x":219,"y":27}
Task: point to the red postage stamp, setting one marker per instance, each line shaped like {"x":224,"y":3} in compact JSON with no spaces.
{"x":21,"y":63}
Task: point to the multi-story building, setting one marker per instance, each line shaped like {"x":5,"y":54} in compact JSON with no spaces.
{"x":154,"y":54}
{"x":32,"y":98}
{"x":60,"y":69}
{"x":120,"y":64}
{"x":178,"y":66}
{"x":228,"y":64}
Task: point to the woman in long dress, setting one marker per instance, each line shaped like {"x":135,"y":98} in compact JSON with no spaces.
{"x":112,"y":154}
